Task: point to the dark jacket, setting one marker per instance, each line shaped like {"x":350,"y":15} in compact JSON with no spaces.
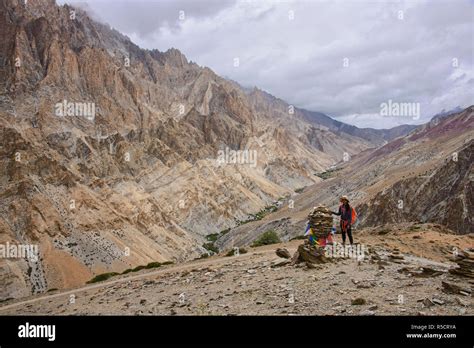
{"x":344,"y":212}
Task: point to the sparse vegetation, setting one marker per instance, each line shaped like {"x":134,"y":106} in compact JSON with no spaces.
{"x":211,"y":247}
{"x":202,"y":256}
{"x":260,"y":215}
{"x":102,"y":277}
{"x":299,"y":190}
{"x":212,"y":237}
{"x":138,"y":268}
{"x":327,"y":174}
{"x":105,"y":276}
{"x":225,"y":231}
{"x":153,"y":265}
{"x":267,"y":238}
{"x":232,"y":252}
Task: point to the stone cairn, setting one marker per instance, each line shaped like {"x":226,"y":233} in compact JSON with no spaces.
{"x":320,"y":221}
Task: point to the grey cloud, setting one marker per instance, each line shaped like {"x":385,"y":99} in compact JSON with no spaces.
{"x":144,"y":17}
{"x":300,"y":60}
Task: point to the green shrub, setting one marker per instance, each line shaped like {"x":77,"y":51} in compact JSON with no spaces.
{"x":299,"y":190}
{"x":102,"y":277}
{"x":210,"y":247}
{"x":138,"y":268}
{"x":212,"y":237}
{"x":105,"y":276}
{"x":225,"y":231}
{"x":267,"y":238}
{"x":232,"y":252}
{"x":153,"y":265}
{"x":260,"y":215}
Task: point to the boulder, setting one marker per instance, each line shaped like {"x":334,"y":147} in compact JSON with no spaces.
{"x":451,"y":288}
{"x":311,"y":254}
{"x":282,"y":252}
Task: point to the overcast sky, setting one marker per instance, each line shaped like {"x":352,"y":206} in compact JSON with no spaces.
{"x":343,"y":58}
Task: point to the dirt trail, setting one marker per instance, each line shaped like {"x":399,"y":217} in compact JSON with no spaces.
{"x":386,"y":282}
{"x":121,"y":279}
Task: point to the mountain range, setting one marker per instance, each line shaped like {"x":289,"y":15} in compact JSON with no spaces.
{"x":113,"y":156}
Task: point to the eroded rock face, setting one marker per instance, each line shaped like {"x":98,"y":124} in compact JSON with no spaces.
{"x":444,"y":196}
{"x":113,"y":156}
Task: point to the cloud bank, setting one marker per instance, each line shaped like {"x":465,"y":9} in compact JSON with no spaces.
{"x":343,"y":58}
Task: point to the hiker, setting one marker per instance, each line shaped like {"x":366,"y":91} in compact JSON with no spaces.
{"x":345,"y":212}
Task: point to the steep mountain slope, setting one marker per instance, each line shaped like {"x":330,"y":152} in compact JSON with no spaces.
{"x":443,"y":193}
{"x":113,"y":156}
{"x":425,"y":176}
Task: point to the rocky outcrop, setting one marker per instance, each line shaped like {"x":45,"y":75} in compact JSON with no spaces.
{"x":465,"y":264}
{"x":442,"y":196}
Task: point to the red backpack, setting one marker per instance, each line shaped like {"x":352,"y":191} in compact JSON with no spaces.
{"x":353,"y":216}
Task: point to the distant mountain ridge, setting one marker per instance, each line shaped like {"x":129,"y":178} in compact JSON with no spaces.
{"x":376,"y":136}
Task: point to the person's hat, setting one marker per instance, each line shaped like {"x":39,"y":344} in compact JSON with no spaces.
{"x":345,"y":198}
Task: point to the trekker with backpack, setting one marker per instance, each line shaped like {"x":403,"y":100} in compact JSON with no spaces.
{"x":348,"y":216}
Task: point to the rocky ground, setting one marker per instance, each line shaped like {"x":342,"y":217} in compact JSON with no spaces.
{"x":394,"y":278}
